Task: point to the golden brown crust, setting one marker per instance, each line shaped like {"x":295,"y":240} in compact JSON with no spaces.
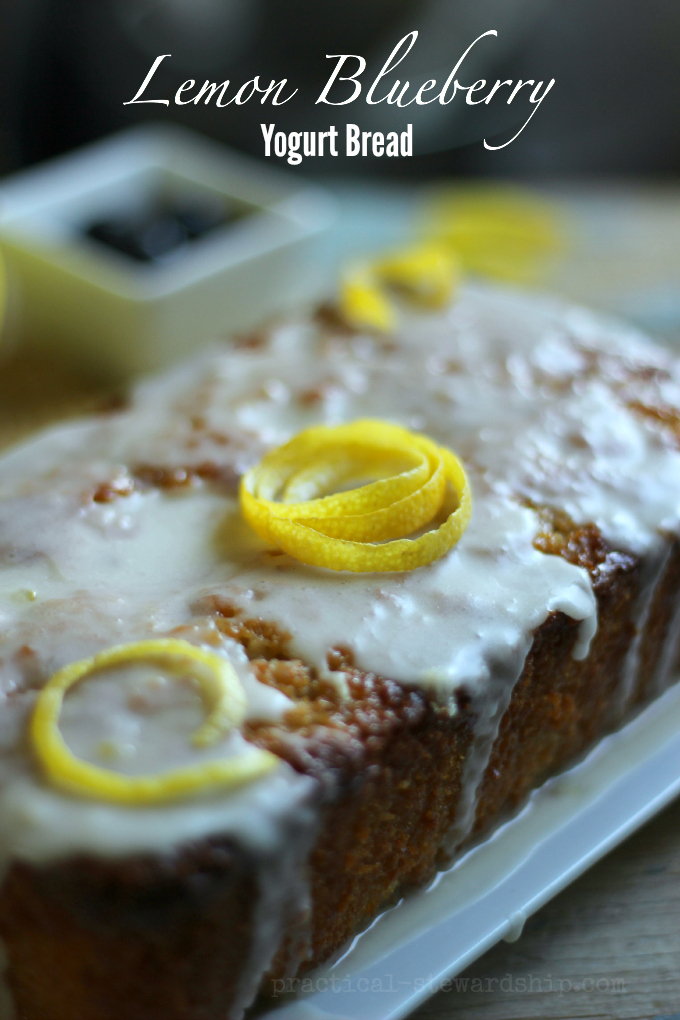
{"x":561,"y":705}
{"x":664,"y":605}
{"x":384,"y":833}
{"x":143,"y":939}
{"x":107,"y":928}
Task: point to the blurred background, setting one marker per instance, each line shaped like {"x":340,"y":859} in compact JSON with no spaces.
{"x":603,"y":150}
{"x":68,"y":66}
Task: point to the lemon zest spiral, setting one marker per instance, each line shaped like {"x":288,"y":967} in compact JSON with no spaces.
{"x":363,"y":301}
{"x":222,"y":694}
{"x":408,"y":479}
{"x":504,"y":233}
{"x":427,"y":273}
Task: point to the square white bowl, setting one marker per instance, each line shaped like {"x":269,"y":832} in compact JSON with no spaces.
{"x":124,"y":316}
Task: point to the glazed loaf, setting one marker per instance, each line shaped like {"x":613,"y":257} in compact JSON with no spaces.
{"x":411,"y":712}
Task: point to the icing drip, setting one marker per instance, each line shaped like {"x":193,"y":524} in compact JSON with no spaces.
{"x":489,"y":710}
{"x":283,"y":899}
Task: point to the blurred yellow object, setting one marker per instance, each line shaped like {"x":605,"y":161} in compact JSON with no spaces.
{"x":503,"y":233}
{"x":364,"y":302}
{"x":427,"y":273}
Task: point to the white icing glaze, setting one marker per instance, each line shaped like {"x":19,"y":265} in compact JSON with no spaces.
{"x":512,"y":383}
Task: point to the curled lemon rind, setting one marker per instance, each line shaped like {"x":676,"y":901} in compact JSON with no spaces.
{"x":427,"y":273}
{"x":362,"y":529}
{"x":222,"y":694}
{"x":501,"y":233}
{"x":363,"y":301}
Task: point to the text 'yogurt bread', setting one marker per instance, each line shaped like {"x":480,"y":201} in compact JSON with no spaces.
{"x":409,"y":711}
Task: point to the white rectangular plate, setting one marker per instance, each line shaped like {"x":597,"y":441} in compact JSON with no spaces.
{"x":571,"y":822}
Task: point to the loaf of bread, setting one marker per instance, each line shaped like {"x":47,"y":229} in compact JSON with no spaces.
{"x":410,"y":712}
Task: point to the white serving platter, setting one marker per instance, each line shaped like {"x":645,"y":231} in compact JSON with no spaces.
{"x":571,"y":822}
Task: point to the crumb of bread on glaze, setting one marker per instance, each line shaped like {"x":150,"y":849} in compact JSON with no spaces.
{"x":167,"y":478}
{"x":330,"y":318}
{"x":107,"y":492}
{"x":161,"y":477}
{"x":255,"y":340}
{"x":666,"y":417}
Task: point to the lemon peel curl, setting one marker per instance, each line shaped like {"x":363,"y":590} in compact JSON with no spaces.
{"x":427,"y":273}
{"x":503,"y":233}
{"x":408,"y":479}
{"x":225,"y":701}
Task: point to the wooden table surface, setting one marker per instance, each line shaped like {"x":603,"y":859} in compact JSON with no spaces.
{"x":607,"y":947}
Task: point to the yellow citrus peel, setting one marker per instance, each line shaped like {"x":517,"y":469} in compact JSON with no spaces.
{"x":409,"y":482}
{"x":225,"y":702}
{"x":363,"y":301}
{"x":427,"y":273}
{"x":503,"y":233}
